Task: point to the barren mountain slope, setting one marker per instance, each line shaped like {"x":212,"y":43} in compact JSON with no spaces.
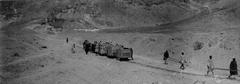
{"x":34,"y":49}
{"x":103,"y":13}
{"x":56,"y":64}
{"x":220,"y":17}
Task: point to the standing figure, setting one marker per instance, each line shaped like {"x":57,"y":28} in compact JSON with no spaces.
{"x":74,"y":45}
{"x":233,"y":68}
{"x":86,"y":46}
{"x":210,"y":65}
{"x":99,"y":47}
{"x":165,"y":56}
{"x":131,"y":53}
{"x":182,"y":60}
{"x":94,"y":46}
{"x":73,"y":48}
{"x":67,"y":40}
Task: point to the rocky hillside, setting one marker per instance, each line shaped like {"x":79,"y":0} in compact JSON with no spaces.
{"x":220,"y":16}
{"x":100,"y":13}
{"x":34,"y":48}
{"x":122,"y":13}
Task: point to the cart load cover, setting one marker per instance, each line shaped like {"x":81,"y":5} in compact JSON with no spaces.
{"x":104,"y":48}
{"x":126,"y":53}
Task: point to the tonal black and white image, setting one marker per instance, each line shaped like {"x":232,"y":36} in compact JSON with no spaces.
{"x":119,"y":41}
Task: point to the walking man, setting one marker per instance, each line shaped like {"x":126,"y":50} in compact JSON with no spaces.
{"x":74,"y":45}
{"x":233,"y":68}
{"x":165,"y":56}
{"x":67,"y":40}
{"x":94,"y":46}
{"x":182,"y":60}
{"x":73,"y":48}
{"x":86,"y":46}
{"x":210,"y":65}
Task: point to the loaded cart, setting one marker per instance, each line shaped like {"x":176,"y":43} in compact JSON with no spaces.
{"x":110,"y":48}
{"x":124,"y":53}
{"x":103,"y":48}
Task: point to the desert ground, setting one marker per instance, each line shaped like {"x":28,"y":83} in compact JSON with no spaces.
{"x":33,"y":54}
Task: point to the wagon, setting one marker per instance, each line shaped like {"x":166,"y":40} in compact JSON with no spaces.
{"x":124,"y":53}
{"x":109,"y":48}
{"x":103,"y":48}
{"x":112,"y":50}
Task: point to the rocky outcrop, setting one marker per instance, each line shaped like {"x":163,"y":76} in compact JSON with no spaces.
{"x":106,"y":13}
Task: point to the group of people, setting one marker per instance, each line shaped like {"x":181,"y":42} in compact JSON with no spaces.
{"x":87,"y":46}
{"x":182,"y":61}
{"x":73,"y":48}
{"x":232,"y":67}
{"x":210,"y":64}
{"x":92,"y":47}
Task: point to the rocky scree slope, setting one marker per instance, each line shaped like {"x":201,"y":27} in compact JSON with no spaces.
{"x":99,"y":13}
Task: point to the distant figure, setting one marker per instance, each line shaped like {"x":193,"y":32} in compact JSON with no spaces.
{"x":182,"y":60}
{"x":210,"y":65}
{"x":86,"y":46}
{"x":233,"y":68}
{"x":94,"y":46}
{"x":74,"y":45}
{"x":73,"y":48}
{"x":165,"y":56}
{"x":131,"y":53}
{"x":99,"y":47}
{"x":67,"y":40}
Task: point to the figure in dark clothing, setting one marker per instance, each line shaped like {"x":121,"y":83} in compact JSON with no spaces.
{"x":99,"y":47}
{"x":165,"y":56}
{"x":233,"y":68}
{"x":131,"y":53}
{"x":182,"y":60}
{"x":73,"y":50}
{"x":74,"y":46}
{"x":94,"y":46}
{"x":86,"y":46}
{"x":67,"y":40}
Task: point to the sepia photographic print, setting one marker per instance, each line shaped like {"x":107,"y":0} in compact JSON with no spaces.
{"x":119,"y":41}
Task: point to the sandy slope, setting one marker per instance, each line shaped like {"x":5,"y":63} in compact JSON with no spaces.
{"x":24,"y":60}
